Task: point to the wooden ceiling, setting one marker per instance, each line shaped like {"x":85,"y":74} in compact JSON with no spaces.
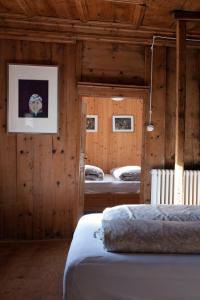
{"x":69,"y":20}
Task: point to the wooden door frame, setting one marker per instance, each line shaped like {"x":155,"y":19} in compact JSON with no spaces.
{"x":90,"y":89}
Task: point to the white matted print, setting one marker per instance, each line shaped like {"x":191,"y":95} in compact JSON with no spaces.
{"x":32,"y":98}
{"x":123,"y":123}
{"x":91,"y":123}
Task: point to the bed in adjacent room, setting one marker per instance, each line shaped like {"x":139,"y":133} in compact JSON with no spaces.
{"x":92,"y":273}
{"x":110,"y":189}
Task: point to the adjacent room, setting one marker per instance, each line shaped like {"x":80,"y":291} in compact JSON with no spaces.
{"x":113,"y":151}
{"x":99,"y":150}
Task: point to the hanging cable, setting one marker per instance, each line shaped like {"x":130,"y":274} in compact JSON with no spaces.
{"x":150,"y":126}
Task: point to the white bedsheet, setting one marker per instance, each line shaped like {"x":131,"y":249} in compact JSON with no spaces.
{"x":111,"y":185}
{"x":91,"y":273}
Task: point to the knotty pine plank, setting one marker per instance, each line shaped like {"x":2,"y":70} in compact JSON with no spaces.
{"x":8,"y":166}
{"x":154,"y":141}
{"x":170,"y":110}
{"x":192,"y":123}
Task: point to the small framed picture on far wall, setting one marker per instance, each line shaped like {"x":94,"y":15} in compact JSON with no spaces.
{"x":91,"y":123}
{"x":123,"y":123}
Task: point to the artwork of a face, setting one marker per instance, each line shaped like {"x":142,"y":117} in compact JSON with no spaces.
{"x":33,"y":98}
{"x":35,"y":104}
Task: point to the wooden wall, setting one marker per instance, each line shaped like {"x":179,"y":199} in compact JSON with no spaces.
{"x":107,"y":149}
{"x":113,"y":63}
{"x":38,"y":173}
{"x":39,"y":182}
{"x":39,"y":186}
{"x":160,"y":144}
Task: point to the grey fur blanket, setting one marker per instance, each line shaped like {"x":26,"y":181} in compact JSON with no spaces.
{"x":145,"y":228}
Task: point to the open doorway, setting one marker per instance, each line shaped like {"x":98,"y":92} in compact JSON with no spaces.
{"x":113,"y":141}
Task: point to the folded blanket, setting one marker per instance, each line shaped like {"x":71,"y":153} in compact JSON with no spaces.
{"x":93,"y":173}
{"x":127,"y":173}
{"x":144,"y":228}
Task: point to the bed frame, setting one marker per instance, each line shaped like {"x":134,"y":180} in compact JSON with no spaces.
{"x":98,"y":202}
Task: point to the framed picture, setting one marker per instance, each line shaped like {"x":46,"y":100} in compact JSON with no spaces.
{"x":91,"y":123}
{"x":32,"y":98}
{"x":123,"y":123}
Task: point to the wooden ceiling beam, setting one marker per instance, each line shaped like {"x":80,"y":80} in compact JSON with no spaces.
{"x":186,"y":15}
{"x":36,"y":36}
{"x":127,"y":1}
{"x":82,"y":9}
{"x":62,"y":37}
{"x":25,"y":7}
{"x":61,"y":23}
{"x":180,"y":110}
{"x":111,"y":90}
{"x":17,"y":26}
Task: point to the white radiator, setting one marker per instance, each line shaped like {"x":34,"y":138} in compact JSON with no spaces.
{"x":162,"y":187}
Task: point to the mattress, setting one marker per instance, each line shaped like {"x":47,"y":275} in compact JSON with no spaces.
{"x":111,"y":185}
{"x":92,"y":273}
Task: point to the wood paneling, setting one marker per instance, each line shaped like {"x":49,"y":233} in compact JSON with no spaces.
{"x":170,"y":115}
{"x":155,"y":13}
{"x":39,"y":174}
{"x":107,"y":149}
{"x":98,"y":202}
{"x":38,"y":178}
{"x":113,"y":63}
{"x":106,"y":90}
{"x":160,"y":145}
{"x":154,"y":147}
{"x":192,"y":122}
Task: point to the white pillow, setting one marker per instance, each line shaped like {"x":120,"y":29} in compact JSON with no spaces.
{"x":92,"y":172}
{"x":127,"y":173}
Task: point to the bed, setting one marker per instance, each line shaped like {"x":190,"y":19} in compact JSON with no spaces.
{"x":92,"y":273}
{"x":109,"y":192}
{"x":111,"y":185}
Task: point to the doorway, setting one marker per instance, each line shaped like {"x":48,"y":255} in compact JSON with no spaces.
{"x":97,"y":202}
{"x":113,"y":145}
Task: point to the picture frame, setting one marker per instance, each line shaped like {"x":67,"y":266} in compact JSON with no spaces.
{"x":123,"y":123}
{"x":91,"y":123}
{"x":32,"y":99}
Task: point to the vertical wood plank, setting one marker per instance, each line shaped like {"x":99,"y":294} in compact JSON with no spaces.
{"x":192,"y":110}
{"x":170,"y":109}
{"x":8,"y":164}
{"x":73,"y":133}
{"x":180,"y":109}
{"x":154,"y":141}
{"x":145,"y":175}
{"x":80,"y":165}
